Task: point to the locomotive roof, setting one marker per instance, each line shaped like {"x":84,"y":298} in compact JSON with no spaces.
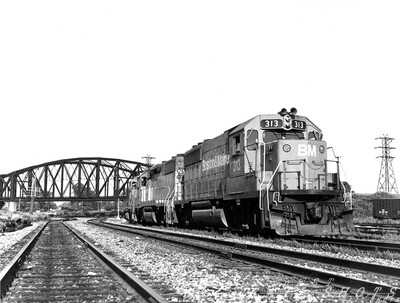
{"x":242,"y":125}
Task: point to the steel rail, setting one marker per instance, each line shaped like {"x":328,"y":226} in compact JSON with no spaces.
{"x":149,"y":294}
{"x":385,"y":292}
{"x":359,"y":244}
{"x":379,"y":225}
{"x":377,"y":230}
{"x":8,"y":272}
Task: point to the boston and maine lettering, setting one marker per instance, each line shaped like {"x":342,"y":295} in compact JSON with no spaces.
{"x":215,"y":162}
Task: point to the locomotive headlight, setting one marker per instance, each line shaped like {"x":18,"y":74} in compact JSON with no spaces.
{"x":286,"y":148}
{"x":321,"y":149}
{"x":287,"y":122}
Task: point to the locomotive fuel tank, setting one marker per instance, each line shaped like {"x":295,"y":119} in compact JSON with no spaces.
{"x":204,"y":214}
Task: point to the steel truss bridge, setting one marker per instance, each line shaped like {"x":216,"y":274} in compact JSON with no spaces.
{"x":77,"y":179}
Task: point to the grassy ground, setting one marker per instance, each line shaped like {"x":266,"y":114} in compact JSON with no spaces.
{"x":4,"y":215}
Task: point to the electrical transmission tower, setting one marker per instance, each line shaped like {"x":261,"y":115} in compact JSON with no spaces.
{"x":148,"y":159}
{"x":387,"y":180}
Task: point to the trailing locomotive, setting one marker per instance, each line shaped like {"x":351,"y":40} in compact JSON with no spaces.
{"x":270,"y":172}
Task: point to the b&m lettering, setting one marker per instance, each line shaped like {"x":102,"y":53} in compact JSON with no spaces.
{"x":305,"y":150}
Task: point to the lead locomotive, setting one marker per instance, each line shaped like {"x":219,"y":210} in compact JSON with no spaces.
{"x":270,"y":172}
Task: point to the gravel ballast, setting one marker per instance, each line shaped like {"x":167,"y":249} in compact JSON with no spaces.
{"x":201,"y":277}
{"x":196,"y":276}
{"x":9,"y":240}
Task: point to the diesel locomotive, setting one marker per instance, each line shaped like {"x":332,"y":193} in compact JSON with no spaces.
{"x":268,"y":173}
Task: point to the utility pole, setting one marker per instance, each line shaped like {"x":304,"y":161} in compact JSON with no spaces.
{"x":33,"y":193}
{"x":148,"y":159}
{"x":118,"y":218}
{"x":387,"y":179}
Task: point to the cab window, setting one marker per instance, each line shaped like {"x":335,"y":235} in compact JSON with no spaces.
{"x":313,"y":135}
{"x":294,"y":135}
{"x":236,"y":144}
{"x":269,"y":136}
{"x":252,"y":139}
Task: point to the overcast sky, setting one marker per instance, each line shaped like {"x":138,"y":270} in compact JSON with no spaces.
{"x":124,"y":79}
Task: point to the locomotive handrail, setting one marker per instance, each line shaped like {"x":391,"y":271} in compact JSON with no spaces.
{"x":337,"y":170}
{"x":270,"y":181}
{"x":262,"y":181}
{"x":344,"y":187}
{"x":268,"y":186}
{"x":276,"y":200}
{"x":273,"y":175}
{"x":347,"y":194}
{"x":167,"y":197}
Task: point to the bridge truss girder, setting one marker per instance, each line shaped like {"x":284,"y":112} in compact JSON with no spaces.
{"x":76,"y":179}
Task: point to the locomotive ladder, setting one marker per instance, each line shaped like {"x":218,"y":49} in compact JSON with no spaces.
{"x":267,"y":188}
{"x":335,"y":212}
{"x":287,"y":214}
{"x":169,"y":207}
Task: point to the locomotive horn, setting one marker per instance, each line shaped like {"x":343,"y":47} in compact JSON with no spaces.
{"x":293,"y":111}
{"x":283,"y":112}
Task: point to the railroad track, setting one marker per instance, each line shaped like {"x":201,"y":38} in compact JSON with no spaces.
{"x":377,"y":229}
{"x":61,"y":266}
{"x":11,"y":252}
{"x":379,"y":225}
{"x":356,"y":244}
{"x":262,"y":256}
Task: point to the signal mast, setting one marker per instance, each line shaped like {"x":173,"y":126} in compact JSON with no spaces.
{"x":387,"y":179}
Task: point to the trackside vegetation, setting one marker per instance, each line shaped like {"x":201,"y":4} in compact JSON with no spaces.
{"x":362,"y":204}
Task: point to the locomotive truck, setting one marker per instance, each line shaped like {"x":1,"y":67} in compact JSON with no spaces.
{"x":267,"y":173}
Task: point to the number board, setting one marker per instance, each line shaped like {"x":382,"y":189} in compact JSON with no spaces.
{"x":271,"y":123}
{"x":297,"y":124}
{"x":278,"y":123}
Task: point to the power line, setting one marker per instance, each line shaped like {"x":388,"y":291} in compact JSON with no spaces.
{"x":387,"y":179}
